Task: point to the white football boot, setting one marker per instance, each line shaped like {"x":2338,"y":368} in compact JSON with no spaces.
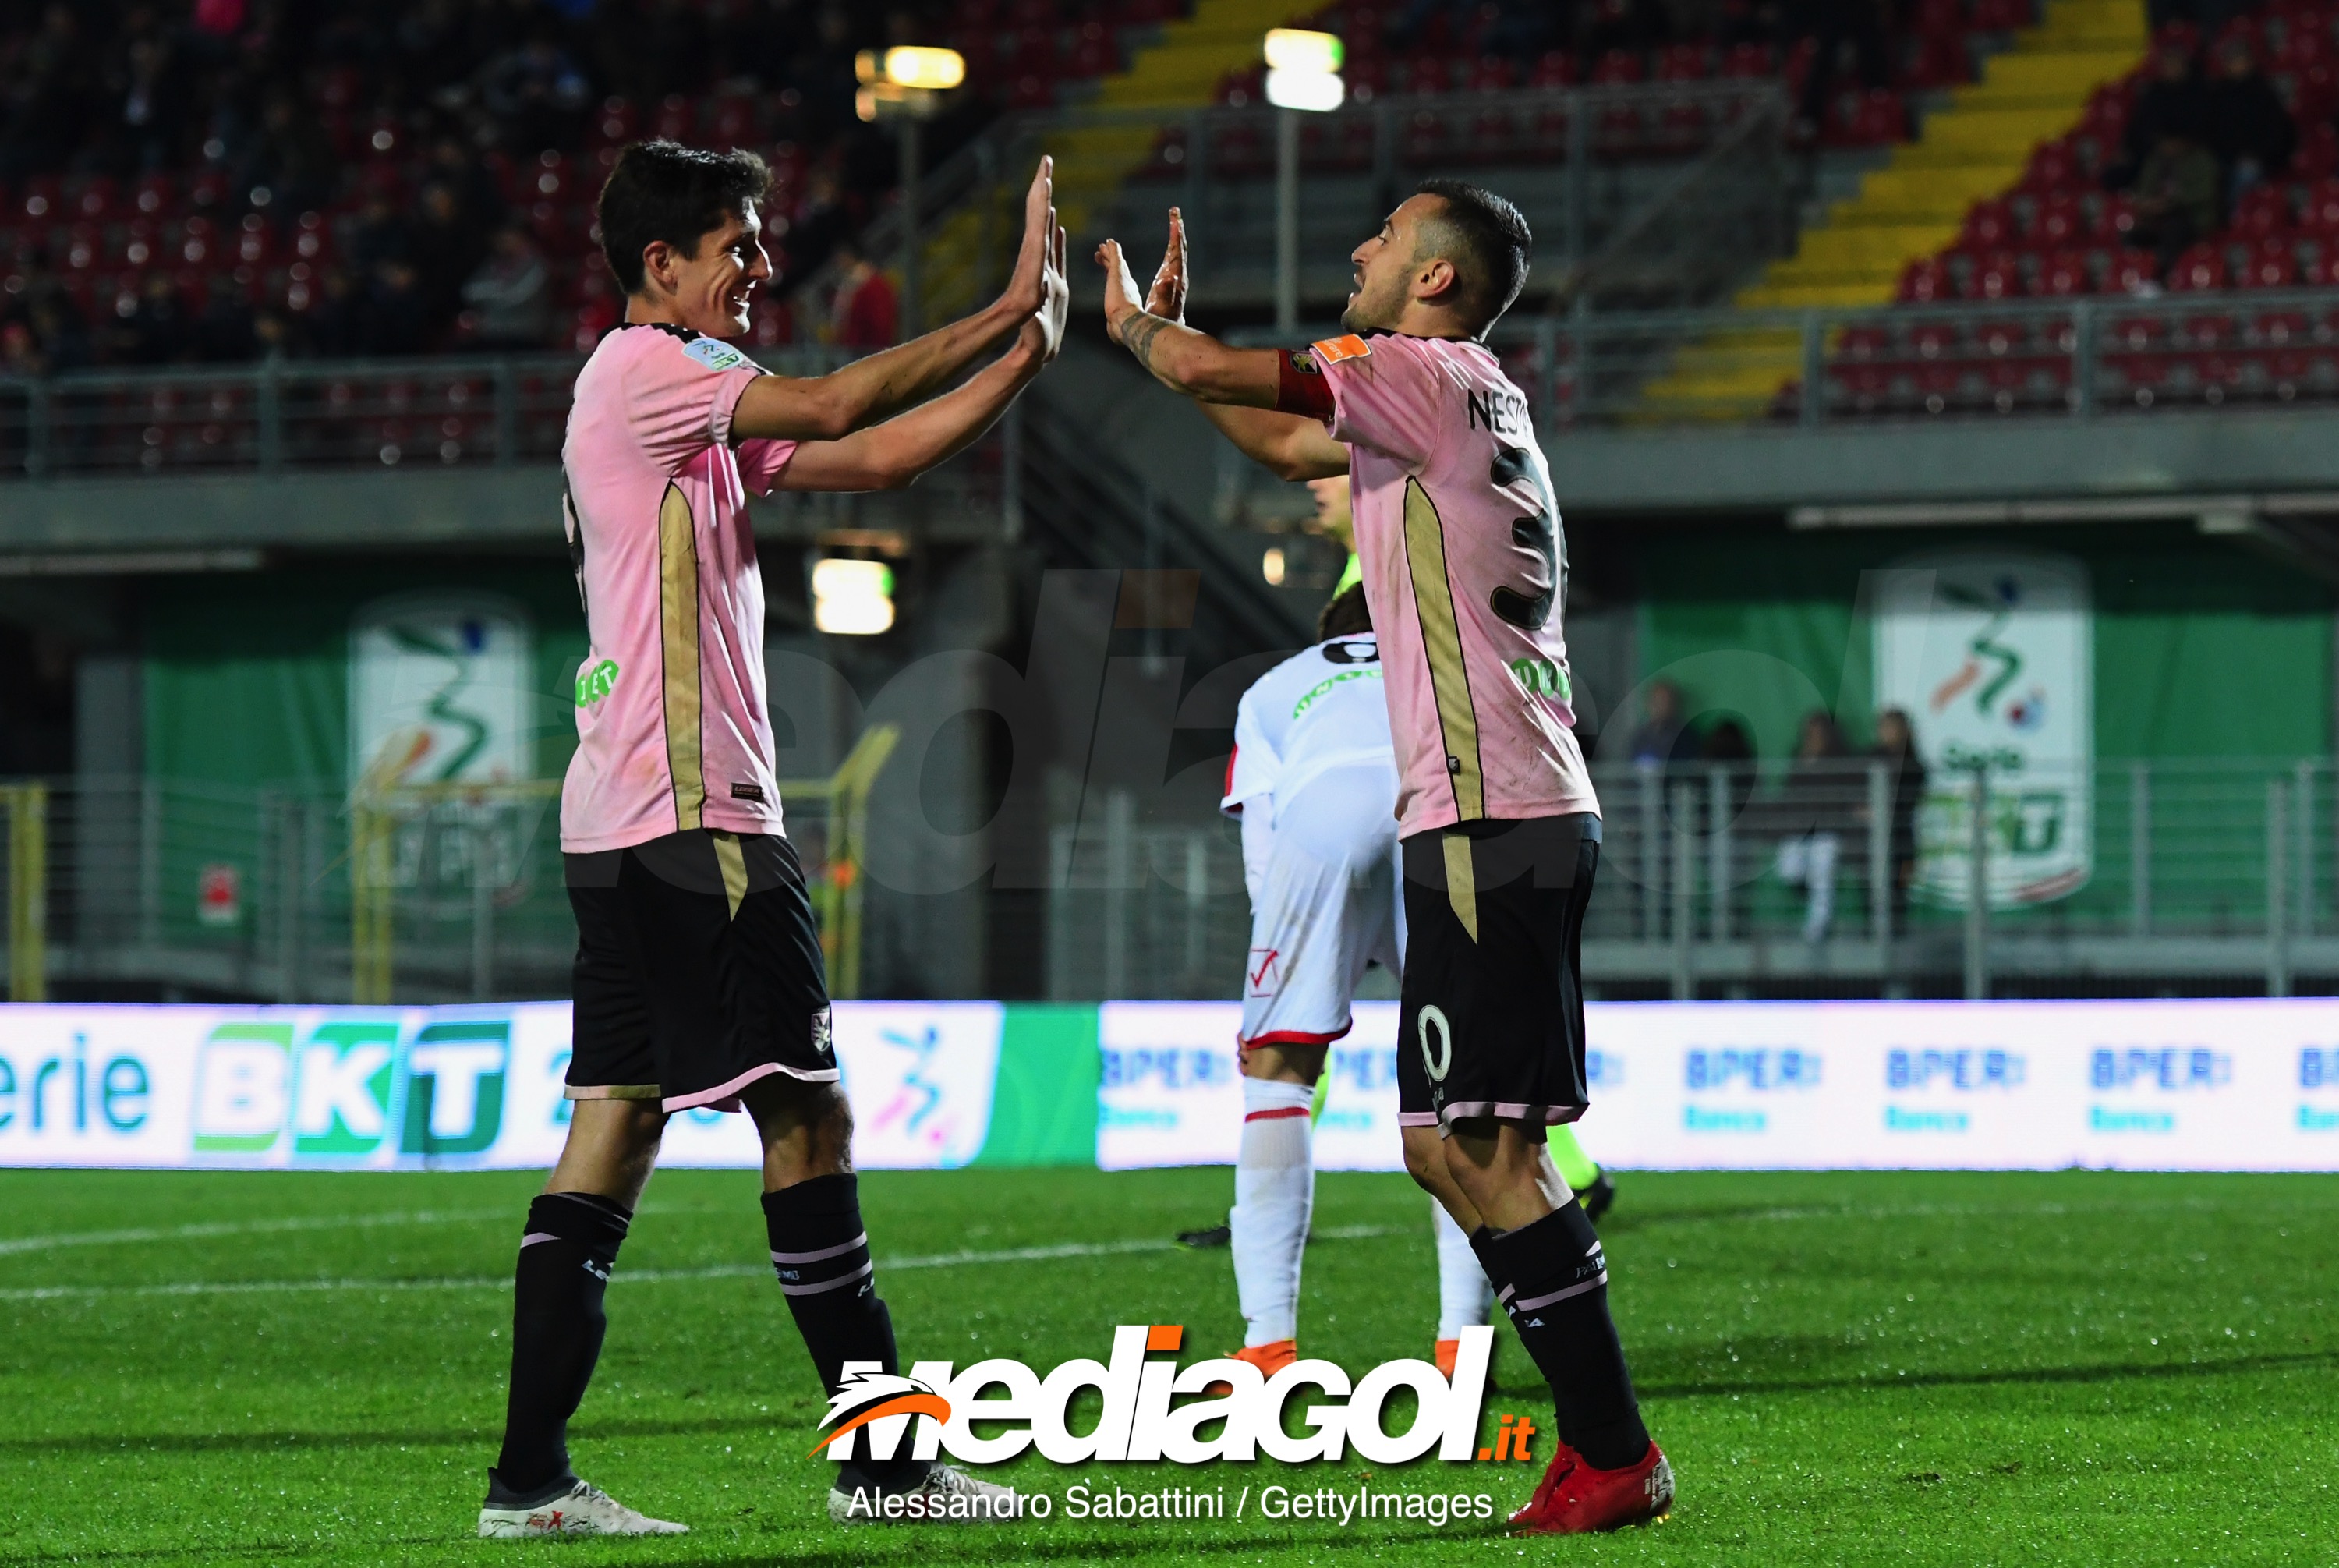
{"x":585,"y":1511}
{"x":948,"y":1496}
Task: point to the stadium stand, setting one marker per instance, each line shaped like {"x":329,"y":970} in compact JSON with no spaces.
{"x":1972,"y":147}
{"x":2200,"y":174}
{"x":219,"y":181}
{"x":224,"y":181}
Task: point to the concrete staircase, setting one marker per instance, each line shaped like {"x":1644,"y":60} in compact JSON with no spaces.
{"x":1178,"y":71}
{"x":1913,"y":206}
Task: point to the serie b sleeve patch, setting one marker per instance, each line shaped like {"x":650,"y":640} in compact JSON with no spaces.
{"x":1348,"y":345}
{"x":714,"y":354}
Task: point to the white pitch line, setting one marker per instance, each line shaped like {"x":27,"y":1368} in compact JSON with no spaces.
{"x":635,"y":1277}
{"x":13,"y":1246}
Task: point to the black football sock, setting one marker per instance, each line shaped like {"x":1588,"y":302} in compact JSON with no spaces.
{"x":821,"y":1253}
{"x":565,"y":1259}
{"x":1552,"y":1277}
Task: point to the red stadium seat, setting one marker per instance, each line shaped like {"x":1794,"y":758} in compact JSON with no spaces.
{"x":1990,"y":225}
{"x":1998,"y":277}
{"x":1925,"y":280}
{"x":2202,"y":267}
{"x":2067,"y":272}
{"x":1556,"y":68}
{"x":1618,"y":65}
{"x":2272,"y":265}
{"x":255,"y":241}
{"x":1682,"y":63}
{"x":2051,"y":168}
{"x":2059,"y":222}
{"x":676,"y":120}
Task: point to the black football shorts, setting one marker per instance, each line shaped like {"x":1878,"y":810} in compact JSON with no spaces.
{"x":698,"y":970}
{"x":1491,"y":1021}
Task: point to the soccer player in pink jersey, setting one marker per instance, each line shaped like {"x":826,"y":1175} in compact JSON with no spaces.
{"x":1465,"y":571}
{"x":698,"y":976}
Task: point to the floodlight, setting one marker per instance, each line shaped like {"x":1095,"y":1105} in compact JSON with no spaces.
{"x":852,"y":597}
{"x":1315,"y":91}
{"x":1296,"y":49}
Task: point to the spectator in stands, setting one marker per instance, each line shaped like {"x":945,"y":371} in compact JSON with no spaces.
{"x":291,"y":158}
{"x":458,"y":168}
{"x":333,"y":329}
{"x":1849,"y":37}
{"x":223,"y":327}
{"x":535,"y":92}
{"x":1896,"y":747}
{"x":866,"y":312}
{"x":1815,"y":808}
{"x":1661,"y":735}
{"x":2249,"y":130}
{"x":447,"y":250}
{"x":47,"y":96}
{"x":509,"y":296}
{"x":62,"y":336}
{"x":20,"y":354}
{"x":394,"y":316}
{"x":149,"y":89}
{"x":1729,"y":749}
{"x":156,"y":331}
{"x":2175,"y":198}
{"x":2172,"y":104}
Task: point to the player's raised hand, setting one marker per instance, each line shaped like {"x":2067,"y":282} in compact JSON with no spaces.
{"x":1043,"y":330}
{"x":1027,"y":286}
{"x":1167,"y":298}
{"x":1120,"y":295}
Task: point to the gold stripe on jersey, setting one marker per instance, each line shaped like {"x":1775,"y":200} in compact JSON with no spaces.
{"x":678,"y":636}
{"x":1441,"y":640}
{"x":1462,"y":881}
{"x":733,"y":864}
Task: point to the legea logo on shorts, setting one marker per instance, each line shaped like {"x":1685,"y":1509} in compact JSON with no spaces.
{"x":1155,"y":1411}
{"x":350,"y":1091}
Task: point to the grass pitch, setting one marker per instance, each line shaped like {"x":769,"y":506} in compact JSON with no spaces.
{"x":2080,"y":1369}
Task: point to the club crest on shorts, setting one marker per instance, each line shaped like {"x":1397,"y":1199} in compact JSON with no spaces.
{"x":824,"y":1033}
{"x":1263,"y":975}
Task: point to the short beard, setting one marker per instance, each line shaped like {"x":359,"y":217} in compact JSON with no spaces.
{"x":1360,"y":317}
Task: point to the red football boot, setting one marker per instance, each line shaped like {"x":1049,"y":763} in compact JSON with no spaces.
{"x":1574,"y":1499}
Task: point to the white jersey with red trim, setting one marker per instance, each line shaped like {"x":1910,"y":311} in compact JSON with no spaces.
{"x":1314,"y":779}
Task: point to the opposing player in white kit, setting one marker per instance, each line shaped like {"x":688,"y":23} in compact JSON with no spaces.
{"x":1313,"y":780}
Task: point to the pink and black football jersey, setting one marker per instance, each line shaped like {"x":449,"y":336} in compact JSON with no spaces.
{"x":1465,"y":571}
{"x":672,"y":729}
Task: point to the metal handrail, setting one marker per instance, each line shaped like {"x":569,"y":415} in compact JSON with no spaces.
{"x":986,"y":166}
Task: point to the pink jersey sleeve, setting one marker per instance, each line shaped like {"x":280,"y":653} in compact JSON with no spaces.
{"x":680,"y":394}
{"x":762,"y":462}
{"x":1385,"y":395}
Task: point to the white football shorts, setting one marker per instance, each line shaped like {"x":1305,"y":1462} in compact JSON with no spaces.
{"x":1324,"y":903}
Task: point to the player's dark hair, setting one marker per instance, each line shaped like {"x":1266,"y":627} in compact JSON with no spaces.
{"x":665,"y":191}
{"x":1346,"y":616}
{"x":1487,"y":239}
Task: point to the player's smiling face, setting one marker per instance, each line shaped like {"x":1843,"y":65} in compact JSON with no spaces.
{"x":1385,"y":270}
{"x":713,"y":290}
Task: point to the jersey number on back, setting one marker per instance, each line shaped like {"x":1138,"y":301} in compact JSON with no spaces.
{"x":1540,"y":534}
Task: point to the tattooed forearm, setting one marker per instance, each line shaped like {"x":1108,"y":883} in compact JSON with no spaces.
{"x":1137,"y":334}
